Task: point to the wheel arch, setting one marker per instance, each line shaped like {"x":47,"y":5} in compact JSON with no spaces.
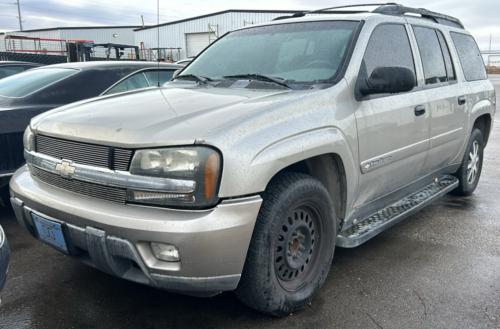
{"x":330,"y":171}
{"x":483,"y":123}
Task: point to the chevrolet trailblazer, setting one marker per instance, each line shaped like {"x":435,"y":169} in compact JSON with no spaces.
{"x":277,"y":143}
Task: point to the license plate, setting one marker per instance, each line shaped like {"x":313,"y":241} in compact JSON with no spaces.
{"x":50,"y":232}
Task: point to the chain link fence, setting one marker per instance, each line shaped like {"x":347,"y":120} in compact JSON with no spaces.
{"x":33,"y":58}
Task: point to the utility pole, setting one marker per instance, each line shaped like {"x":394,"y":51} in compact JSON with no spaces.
{"x":19,"y":13}
{"x":142,"y":17}
{"x":490,"y":42}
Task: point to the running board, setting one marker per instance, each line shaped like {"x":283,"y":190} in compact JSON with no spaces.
{"x":393,"y":214}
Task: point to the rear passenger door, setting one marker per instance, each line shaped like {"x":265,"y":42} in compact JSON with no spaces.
{"x":446,"y":101}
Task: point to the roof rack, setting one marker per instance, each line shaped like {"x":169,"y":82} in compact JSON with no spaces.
{"x":389,"y":8}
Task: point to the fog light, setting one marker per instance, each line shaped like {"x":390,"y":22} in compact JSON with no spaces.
{"x":165,"y":252}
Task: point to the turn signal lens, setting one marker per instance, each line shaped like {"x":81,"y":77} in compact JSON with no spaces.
{"x":211,"y":173}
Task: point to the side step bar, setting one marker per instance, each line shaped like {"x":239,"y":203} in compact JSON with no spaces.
{"x":393,"y":214}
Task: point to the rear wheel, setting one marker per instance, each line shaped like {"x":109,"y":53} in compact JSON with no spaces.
{"x":470,"y":170}
{"x":292,"y":246}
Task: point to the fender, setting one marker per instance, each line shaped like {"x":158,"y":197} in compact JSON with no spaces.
{"x":292,"y":149}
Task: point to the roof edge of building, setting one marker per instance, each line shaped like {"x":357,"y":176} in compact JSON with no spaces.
{"x":219,"y":13}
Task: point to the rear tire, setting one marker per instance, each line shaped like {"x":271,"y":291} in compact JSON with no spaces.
{"x":472,"y":163}
{"x":292,"y":246}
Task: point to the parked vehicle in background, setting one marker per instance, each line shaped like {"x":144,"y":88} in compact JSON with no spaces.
{"x":185,"y":61}
{"x":279,"y":142}
{"x":4,"y":258}
{"x":28,"y":94}
{"x":8,"y":68}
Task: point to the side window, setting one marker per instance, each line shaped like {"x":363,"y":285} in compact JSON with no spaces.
{"x":447,"y":57}
{"x":134,"y":82}
{"x":10,"y":70}
{"x":431,"y":54}
{"x":388,"y":46}
{"x":470,"y":57}
{"x":165,"y":75}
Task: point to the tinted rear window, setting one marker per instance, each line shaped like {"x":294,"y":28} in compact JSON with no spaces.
{"x":470,"y":57}
{"x":25,"y":83}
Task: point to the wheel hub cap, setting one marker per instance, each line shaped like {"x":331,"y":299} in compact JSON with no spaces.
{"x":473,"y":163}
{"x":294,"y":246}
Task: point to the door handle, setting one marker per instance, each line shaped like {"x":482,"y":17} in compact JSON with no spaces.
{"x":419,"y":110}
{"x":461,"y":100}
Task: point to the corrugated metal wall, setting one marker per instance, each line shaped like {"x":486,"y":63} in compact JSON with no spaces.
{"x":175,"y":35}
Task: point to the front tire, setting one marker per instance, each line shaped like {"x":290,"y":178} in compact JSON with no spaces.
{"x":472,"y":163}
{"x":292,"y":246}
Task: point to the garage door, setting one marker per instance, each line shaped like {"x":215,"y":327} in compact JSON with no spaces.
{"x":494,"y":60}
{"x":196,"y":42}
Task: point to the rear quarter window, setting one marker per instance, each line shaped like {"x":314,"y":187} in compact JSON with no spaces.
{"x":470,"y":57}
{"x":25,"y":83}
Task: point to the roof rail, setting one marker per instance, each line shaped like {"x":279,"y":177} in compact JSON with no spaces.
{"x":389,"y":8}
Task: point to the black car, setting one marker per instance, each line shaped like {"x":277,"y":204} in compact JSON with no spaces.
{"x":8,"y":68}
{"x":4,"y":258}
{"x":28,"y":94}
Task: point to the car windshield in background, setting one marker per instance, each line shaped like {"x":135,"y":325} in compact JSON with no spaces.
{"x":23,"y":84}
{"x":302,"y":53}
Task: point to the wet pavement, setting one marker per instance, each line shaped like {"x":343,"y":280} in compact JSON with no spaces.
{"x":440,"y":268}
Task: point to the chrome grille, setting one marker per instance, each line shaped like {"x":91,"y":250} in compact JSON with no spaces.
{"x":121,"y":159}
{"x":113,"y":194}
{"x":83,"y":153}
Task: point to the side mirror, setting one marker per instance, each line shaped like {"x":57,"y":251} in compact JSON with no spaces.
{"x":387,"y":79}
{"x":176,"y":73}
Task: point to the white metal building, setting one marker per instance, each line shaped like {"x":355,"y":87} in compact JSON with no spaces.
{"x":98,"y":34}
{"x":491,"y":57}
{"x":192,"y":35}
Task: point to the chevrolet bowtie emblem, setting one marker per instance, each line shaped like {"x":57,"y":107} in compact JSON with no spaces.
{"x":65,"y":169}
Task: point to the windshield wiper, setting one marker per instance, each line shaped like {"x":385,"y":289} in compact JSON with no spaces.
{"x":279,"y":81}
{"x":200,"y":78}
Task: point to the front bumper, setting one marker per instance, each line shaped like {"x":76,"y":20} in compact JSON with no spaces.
{"x":115,"y":238}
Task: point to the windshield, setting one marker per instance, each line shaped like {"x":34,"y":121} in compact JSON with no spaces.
{"x":25,"y":83}
{"x":302,"y":53}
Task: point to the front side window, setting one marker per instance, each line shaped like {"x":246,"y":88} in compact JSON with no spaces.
{"x":302,"y":53}
{"x":388,"y":46}
{"x":470,"y":57}
{"x":25,"y":83}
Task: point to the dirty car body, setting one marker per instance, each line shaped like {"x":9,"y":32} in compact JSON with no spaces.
{"x":246,"y":171}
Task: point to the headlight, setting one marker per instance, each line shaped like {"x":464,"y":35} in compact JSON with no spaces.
{"x":200,"y":166}
{"x":29,"y":140}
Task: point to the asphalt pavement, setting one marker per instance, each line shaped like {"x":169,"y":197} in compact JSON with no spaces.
{"x":440,"y":268}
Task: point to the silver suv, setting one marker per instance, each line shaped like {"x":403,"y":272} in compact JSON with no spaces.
{"x":277,"y":143}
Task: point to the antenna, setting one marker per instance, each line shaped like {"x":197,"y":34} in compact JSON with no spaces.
{"x":158,"y":32}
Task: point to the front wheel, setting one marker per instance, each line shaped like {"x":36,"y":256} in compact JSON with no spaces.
{"x":470,"y":170}
{"x":292,"y":246}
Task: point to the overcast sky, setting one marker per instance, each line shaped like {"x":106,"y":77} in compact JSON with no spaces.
{"x":480,"y":17}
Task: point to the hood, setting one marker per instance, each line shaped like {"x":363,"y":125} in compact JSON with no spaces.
{"x":154,"y":117}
